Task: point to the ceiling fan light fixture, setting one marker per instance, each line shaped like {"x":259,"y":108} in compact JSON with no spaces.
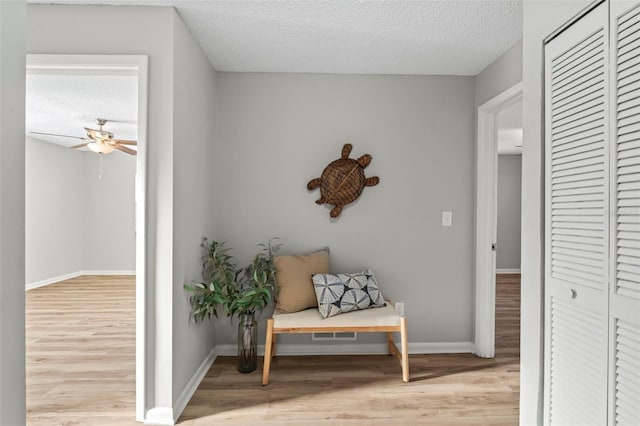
{"x":100,"y":148}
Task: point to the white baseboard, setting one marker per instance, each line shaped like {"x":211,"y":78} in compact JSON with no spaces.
{"x":52,"y":280}
{"x":507,"y":271}
{"x":193,"y":384}
{"x":110,"y":272}
{"x":355,"y":349}
{"x":159,"y":416}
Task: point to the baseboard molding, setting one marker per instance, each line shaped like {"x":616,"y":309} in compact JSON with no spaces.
{"x":110,"y":272}
{"x":507,"y":271}
{"x":356,"y":349}
{"x":53,"y":280}
{"x":159,"y":416}
{"x":193,"y":384}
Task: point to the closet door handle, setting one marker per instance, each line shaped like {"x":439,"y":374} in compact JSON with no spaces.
{"x":572,"y":294}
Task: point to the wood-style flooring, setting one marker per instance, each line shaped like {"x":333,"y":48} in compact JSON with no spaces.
{"x":81,"y":352}
{"x":80,"y":371}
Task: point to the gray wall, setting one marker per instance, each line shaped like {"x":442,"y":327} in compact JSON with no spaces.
{"x":54,"y":211}
{"x":75,"y":220}
{"x":278,"y":131}
{"x":194,"y":199}
{"x":12,"y":88}
{"x":109,"y":213}
{"x":509,"y":193}
{"x":501,"y":74}
{"x":541,"y":18}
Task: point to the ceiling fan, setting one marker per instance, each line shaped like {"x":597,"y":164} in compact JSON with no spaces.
{"x":99,"y":140}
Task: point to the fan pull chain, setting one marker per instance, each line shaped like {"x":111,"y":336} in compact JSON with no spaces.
{"x":101,"y":165}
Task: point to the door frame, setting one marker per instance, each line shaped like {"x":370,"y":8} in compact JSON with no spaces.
{"x":138,"y":64}
{"x":486,"y":218}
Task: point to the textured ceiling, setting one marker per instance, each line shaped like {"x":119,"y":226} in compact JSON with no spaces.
{"x":453,"y":37}
{"x":63,"y":102}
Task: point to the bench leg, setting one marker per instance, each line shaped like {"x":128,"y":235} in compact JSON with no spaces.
{"x":268,"y":352}
{"x":405,"y":349}
{"x":391,"y":343}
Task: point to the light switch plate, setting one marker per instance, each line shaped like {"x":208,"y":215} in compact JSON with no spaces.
{"x":447,"y":218}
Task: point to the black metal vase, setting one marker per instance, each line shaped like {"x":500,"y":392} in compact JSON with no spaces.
{"x":247,"y":343}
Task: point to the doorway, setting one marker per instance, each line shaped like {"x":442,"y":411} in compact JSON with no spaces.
{"x":137,"y":67}
{"x":508,"y":238}
{"x":487,"y":217}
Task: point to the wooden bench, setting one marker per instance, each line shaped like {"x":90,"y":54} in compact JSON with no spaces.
{"x":384,"y":319}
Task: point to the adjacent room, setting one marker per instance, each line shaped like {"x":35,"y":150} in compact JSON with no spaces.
{"x":300,"y":212}
{"x":80,"y":239}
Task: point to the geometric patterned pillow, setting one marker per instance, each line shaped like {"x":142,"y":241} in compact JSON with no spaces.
{"x":342,"y":293}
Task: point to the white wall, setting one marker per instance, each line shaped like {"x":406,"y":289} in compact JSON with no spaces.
{"x":12,"y":87}
{"x":509,"y":214}
{"x":109,"y":213}
{"x":278,"y":131}
{"x":541,"y":18}
{"x":54,"y":211}
{"x":194,"y":199}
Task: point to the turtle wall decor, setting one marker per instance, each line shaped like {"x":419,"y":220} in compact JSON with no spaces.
{"x":342,"y":181}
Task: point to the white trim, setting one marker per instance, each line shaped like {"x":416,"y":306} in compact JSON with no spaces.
{"x":139,"y":65}
{"x":52,"y":280}
{"x":141,"y":239}
{"x":355,"y":349}
{"x":193,"y":384}
{"x":159,"y":416}
{"x":486,"y":218}
{"x":109,"y":272}
{"x":507,"y":271}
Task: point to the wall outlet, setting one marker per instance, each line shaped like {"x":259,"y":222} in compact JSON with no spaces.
{"x":400,"y":308}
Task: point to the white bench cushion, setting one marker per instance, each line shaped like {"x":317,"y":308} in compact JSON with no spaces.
{"x":385,"y":316}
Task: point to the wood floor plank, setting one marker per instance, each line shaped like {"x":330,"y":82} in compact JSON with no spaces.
{"x":81,"y":370}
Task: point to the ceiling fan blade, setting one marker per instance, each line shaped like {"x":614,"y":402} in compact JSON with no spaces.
{"x":125,"y":149}
{"x":124,"y":142}
{"x":53,"y":134}
{"x":79,"y":146}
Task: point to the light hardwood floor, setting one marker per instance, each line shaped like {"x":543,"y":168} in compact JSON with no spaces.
{"x":81,"y":352}
{"x":80,"y":371}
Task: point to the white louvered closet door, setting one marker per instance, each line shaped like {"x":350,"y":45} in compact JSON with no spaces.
{"x":577,"y":222}
{"x":624,"y":311}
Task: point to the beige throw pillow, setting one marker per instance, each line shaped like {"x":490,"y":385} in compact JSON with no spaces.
{"x":293,"y":277}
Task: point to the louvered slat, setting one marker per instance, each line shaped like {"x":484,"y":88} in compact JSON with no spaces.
{"x":627,"y":159}
{"x":576,"y":347}
{"x":627,"y":373}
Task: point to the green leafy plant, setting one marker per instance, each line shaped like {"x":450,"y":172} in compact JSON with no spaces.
{"x":236,"y":290}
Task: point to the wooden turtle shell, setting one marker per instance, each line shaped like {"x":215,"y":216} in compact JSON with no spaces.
{"x":342,"y":181}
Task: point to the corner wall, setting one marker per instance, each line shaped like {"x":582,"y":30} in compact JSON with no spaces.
{"x":194,"y":132}
{"x":76,"y":221}
{"x":54,"y":212}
